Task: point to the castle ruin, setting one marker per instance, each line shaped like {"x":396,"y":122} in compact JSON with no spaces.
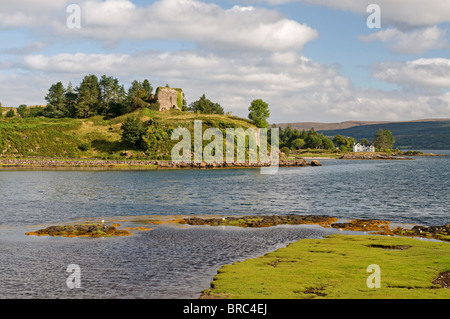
{"x":167,"y":98}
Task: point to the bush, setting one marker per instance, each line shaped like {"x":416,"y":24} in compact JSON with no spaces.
{"x":10,"y":113}
{"x":84,"y":146}
{"x":133,"y":131}
{"x":286,"y":151}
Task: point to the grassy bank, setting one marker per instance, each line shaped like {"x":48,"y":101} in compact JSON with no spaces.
{"x":99,"y":138}
{"x":336,"y":267}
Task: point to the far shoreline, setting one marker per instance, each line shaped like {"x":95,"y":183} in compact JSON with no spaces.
{"x":134,"y":164}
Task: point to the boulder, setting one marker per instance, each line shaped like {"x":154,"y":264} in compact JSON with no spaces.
{"x":315,"y":163}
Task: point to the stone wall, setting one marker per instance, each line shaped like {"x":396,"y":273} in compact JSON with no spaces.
{"x":167,"y":99}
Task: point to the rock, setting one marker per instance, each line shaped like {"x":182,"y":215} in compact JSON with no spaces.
{"x":88,"y":230}
{"x":262,"y":221}
{"x":315,"y":163}
{"x":126,"y":154}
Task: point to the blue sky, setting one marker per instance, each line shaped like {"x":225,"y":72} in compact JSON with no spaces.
{"x":311,"y":60}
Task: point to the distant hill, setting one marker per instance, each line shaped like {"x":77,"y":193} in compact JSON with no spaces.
{"x":419,"y":134}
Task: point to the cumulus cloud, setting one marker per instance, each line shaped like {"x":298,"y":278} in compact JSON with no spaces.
{"x":413,"y":42}
{"x":400,"y":13}
{"x":205,"y":24}
{"x":238,"y":54}
{"x":408,"y":26}
{"x":421,"y":73}
{"x":293,"y":85}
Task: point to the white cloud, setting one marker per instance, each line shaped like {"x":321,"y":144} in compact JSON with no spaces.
{"x":295,"y":87}
{"x":240,"y":54}
{"x":406,"y":13}
{"x":408,"y":26}
{"x":430,"y":73}
{"x":205,"y":24}
{"x":413,"y":42}
{"x":400,"y":13}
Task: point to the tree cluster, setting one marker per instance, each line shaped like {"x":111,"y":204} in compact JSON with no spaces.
{"x":344,"y":144}
{"x":205,"y":106}
{"x":293,"y":139}
{"x":384,"y":140}
{"x":94,"y":96}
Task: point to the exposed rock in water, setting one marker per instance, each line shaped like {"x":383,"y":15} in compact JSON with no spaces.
{"x":90,"y":230}
{"x":315,"y":163}
{"x":262,"y":221}
{"x":436,"y":232}
{"x":363,"y":225}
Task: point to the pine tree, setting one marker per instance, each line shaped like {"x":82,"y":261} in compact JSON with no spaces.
{"x":88,"y":97}
{"x":56,"y":106}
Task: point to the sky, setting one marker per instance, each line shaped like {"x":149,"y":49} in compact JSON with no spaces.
{"x":310,"y":60}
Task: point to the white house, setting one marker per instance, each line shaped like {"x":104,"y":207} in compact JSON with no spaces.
{"x":363,"y":148}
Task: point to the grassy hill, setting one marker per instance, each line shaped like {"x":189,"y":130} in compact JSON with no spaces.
{"x":420,"y":134}
{"x":96,"y":137}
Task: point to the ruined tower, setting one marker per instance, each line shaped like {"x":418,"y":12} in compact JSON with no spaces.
{"x":167,"y":98}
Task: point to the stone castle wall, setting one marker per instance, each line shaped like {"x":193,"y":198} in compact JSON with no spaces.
{"x":167,"y":99}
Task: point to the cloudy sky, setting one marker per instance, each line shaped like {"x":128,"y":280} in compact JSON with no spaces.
{"x":310,"y":60}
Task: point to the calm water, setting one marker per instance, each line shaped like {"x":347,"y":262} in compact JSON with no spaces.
{"x":171,"y":262}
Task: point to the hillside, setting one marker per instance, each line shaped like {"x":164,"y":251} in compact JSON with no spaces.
{"x":96,"y":137}
{"x":421,"y":134}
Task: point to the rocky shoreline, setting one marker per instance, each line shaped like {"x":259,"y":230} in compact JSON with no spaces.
{"x":373,"y":156}
{"x":381,"y":227}
{"x":95,"y":163}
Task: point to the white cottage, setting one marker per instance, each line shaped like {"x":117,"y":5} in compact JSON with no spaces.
{"x":363,"y":148}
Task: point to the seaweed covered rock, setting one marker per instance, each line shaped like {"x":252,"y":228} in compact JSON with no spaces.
{"x":436,"y":232}
{"x":262,"y":221}
{"x":363,"y":225}
{"x":88,"y":230}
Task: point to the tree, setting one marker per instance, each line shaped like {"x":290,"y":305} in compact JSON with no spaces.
{"x":384,"y":140}
{"x":10,"y":113}
{"x":112,"y":96}
{"x":364,"y":141}
{"x":22,"y":110}
{"x":56,"y":106}
{"x":344,"y":143}
{"x":148,"y":88}
{"x":1,"y":110}
{"x":313,"y":140}
{"x":298,"y":143}
{"x":326,"y":142}
{"x":184,"y":106}
{"x":205,"y":106}
{"x":71,"y":100}
{"x":88,"y":97}
{"x":132,"y":131}
{"x":259,"y":113}
{"x":133,"y":90}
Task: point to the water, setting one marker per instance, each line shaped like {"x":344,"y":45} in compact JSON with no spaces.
{"x":173,"y":262}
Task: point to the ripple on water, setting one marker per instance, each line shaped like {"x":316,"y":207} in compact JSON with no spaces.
{"x":166,"y":262}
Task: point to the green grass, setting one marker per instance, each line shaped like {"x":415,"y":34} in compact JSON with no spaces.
{"x":336,"y":268}
{"x":97,"y":137}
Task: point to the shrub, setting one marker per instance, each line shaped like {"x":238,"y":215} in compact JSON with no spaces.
{"x":10,"y":113}
{"x":286,"y":151}
{"x":133,"y":130}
